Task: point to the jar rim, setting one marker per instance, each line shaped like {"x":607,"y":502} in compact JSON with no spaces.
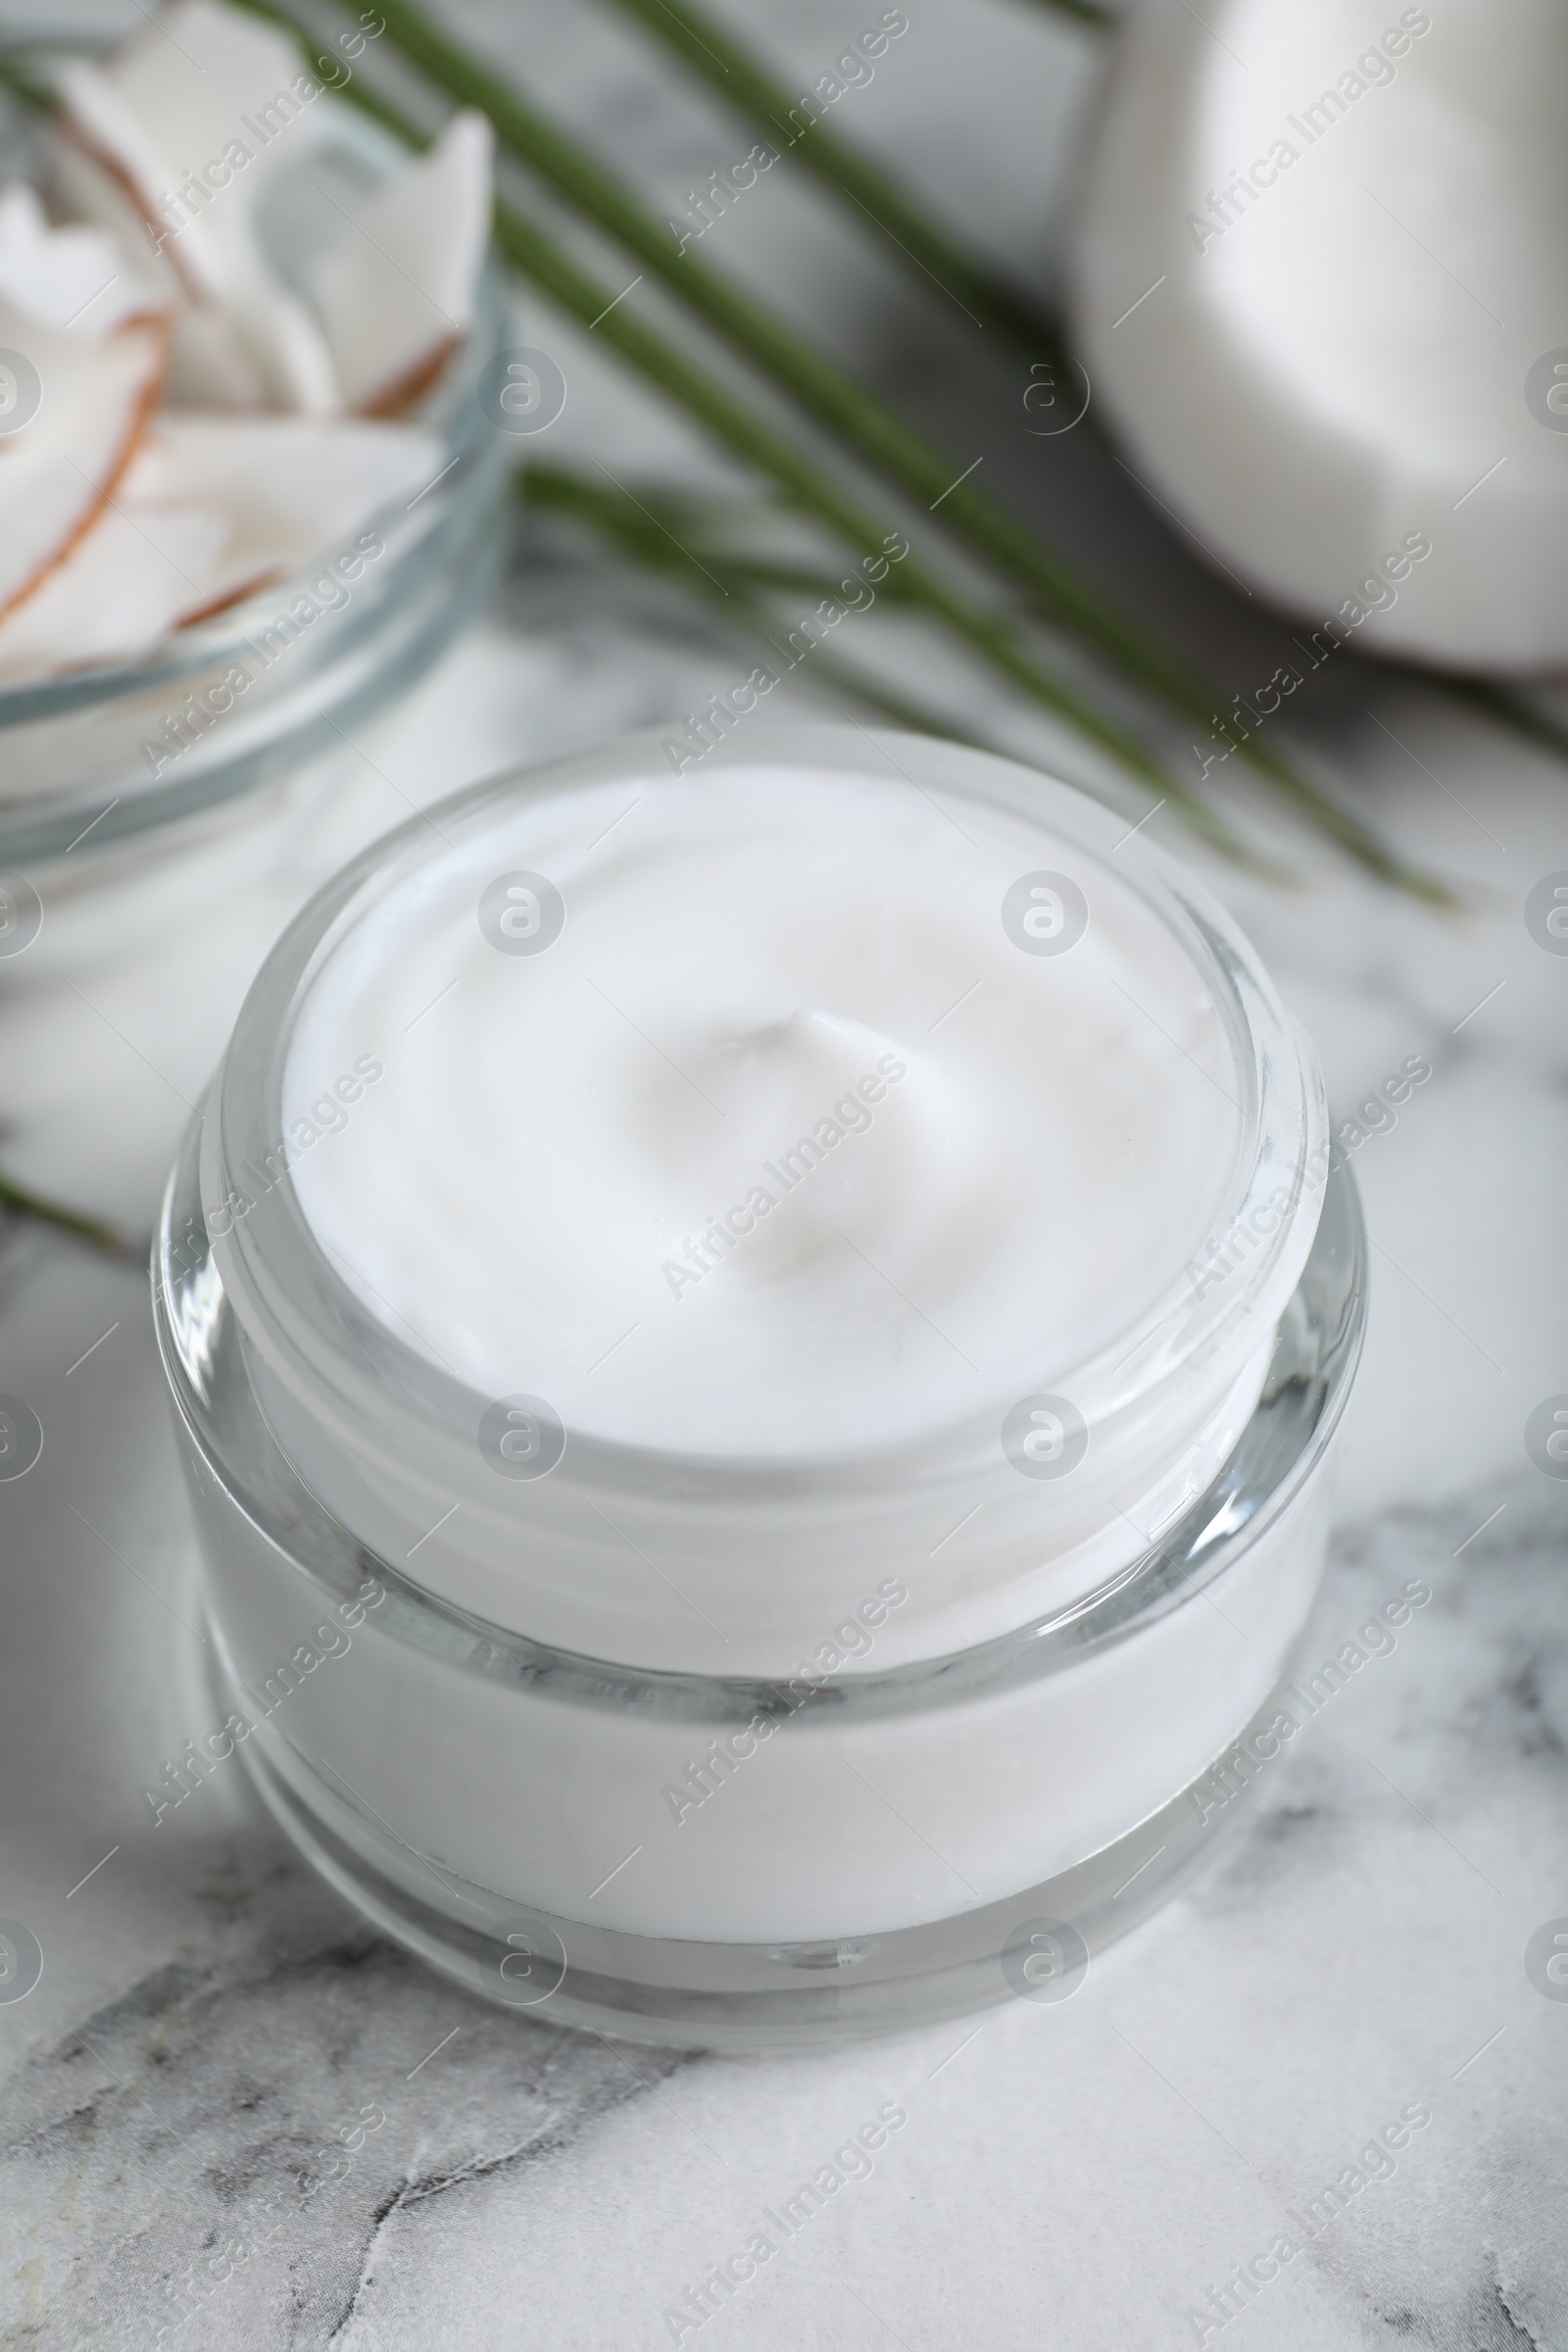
{"x":296,"y":1308}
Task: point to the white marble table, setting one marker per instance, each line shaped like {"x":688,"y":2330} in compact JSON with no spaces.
{"x":1079,"y":2175}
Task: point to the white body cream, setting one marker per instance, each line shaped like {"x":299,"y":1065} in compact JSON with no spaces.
{"x":768,"y":1282}
{"x":765,"y":1137}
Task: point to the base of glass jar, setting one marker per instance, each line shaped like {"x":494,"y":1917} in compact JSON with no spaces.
{"x":744,"y":1998}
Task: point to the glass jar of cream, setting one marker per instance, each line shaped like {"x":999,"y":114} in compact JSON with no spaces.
{"x":755,"y":1350}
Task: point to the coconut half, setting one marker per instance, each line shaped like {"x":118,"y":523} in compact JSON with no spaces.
{"x":1318,"y":282}
{"x":397,"y":291}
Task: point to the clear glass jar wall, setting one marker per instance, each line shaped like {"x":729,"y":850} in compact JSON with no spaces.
{"x":601,"y":1828}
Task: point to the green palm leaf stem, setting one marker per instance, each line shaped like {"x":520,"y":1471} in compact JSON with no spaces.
{"x":794,"y":470}
{"x":16,"y":1201}
{"x":749,"y":436}
{"x":844,"y":408}
{"x":732,"y":586}
{"x":1087,"y":11}
{"x":737,"y":76}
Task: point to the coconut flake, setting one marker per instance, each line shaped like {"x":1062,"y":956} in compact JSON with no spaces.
{"x":185,"y":124}
{"x":58,"y":469}
{"x":290,"y":487}
{"x":76,"y":280}
{"x":113,"y":536}
{"x":397,"y":291}
{"x":119,"y":592}
{"x":208,"y":363}
{"x":205,"y":80}
{"x":211,"y":510}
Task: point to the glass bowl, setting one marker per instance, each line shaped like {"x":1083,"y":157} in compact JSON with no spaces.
{"x":157,"y":824}
{"x":471,"y":1711}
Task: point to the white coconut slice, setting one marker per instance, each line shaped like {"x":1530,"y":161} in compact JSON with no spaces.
{"x":208,"y":363}
{"x":397,"y":291}
{"x":204,"y":79}
{"x":210,"y":366}
{"x":57,"y":468}
{"x":186,"y":122}
{"x":97,"y":125}
{"x":211,"y":510}
{"x":116,"y":596}
{"x":290,"y":488}
{"x":76,"y":279}
{"x":1319,"y":289}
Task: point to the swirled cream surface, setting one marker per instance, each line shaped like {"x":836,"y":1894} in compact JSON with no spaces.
{"x":767,"y":1112}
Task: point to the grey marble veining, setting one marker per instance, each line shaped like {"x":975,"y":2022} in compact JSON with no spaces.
{"x":1356,"y":1952}
{"x":232,"y":2144}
